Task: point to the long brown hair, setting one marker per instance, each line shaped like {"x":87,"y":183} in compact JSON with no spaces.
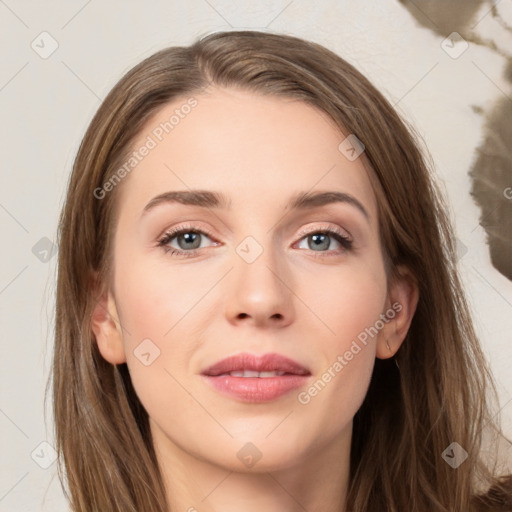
{"x":411,"y":414}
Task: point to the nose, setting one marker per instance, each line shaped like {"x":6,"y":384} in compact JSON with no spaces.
{"x":260,"y":292}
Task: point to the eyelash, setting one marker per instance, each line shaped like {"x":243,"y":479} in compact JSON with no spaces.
{"x":168,"y":236}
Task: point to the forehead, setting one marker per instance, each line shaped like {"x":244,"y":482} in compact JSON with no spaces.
{"x":257,"y":149}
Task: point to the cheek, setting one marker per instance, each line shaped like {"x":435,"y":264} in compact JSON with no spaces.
{"x":159,"y":308}
{"x":350,"y":303}
{"x":347,"y":348}
{"x":156,"y":345}
{"x":154,"y":298}
{"x":346,"y":301}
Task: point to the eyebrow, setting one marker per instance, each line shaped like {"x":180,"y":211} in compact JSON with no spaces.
{"x":218,"y":200}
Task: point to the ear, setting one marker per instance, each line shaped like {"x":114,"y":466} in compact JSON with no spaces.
{"x":401,"y":305}
{"x":106,"y":327}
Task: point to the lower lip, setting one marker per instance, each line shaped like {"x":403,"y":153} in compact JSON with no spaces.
{"x":256,"y":389}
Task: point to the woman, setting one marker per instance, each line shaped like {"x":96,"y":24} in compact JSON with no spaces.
{"x":257,"y":304}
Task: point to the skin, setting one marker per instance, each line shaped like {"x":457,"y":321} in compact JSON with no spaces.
{"x":306,"y":303}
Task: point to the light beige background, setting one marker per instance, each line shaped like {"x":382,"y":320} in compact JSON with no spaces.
{"x":46,"y":104}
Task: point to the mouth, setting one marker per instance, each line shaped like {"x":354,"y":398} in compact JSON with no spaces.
{"x":253,"y":374}
{"x":250,"y":378}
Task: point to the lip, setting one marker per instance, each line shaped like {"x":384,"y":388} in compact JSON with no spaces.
{"x":264,"y":363}
{"x":256,"y":389}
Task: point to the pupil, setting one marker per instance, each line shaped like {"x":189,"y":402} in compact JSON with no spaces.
{"x":320,"y":241}
{"x":190,"y":238}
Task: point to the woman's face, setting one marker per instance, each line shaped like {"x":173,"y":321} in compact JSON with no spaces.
{"x":252,"y":273}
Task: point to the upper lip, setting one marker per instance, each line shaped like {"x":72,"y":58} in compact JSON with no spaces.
{"x":262,"y":363}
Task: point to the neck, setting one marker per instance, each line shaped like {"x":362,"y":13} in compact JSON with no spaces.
{"x":317,"y":480}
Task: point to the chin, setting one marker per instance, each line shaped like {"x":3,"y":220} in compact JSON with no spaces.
{"x":253,"y":452}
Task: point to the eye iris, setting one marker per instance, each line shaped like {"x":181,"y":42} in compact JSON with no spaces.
{"x":319,"y":241}
{"x":190,"y":238}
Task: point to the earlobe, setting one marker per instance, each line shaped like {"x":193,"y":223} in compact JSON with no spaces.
{"x":403,"y":300}
{"x":107,"y":329}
